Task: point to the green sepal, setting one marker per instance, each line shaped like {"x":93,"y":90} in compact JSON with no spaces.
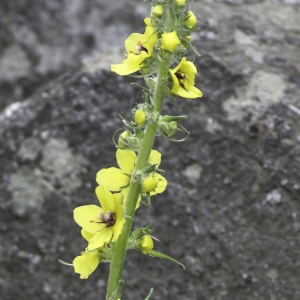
{"x":194,"y":49}
{"x":154,"y":253}
{"x":168,"y":118}
{"x":149,"y":169}
{"x":137,"y":234}
{"x":148,"y":199}
{"x":180,"y":140}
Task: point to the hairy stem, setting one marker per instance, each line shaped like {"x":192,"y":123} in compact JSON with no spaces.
{"x":117,"y":262}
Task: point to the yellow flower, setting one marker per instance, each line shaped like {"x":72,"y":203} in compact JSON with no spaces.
{"x":106,"y":222}
{"x":183,"y":77}
{"x":158,"y":10}
{"x":118,"y":180}
{"x":139,"y":47}
{"x":191,"y":19}
{"x":169,"y":41}
{"x":146,"y":243}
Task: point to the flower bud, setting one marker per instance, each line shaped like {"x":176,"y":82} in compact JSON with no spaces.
{"x":191,"y":19}
{"x":128,"y":141}
{"x":180,"y":2}
{"x":150,"y":184}
{"x":122,"y":139}
{"x":167,"y":125}
{"x":168,"y":128}
{"x":169,"y":41}
{"x":172,"y":128}
{"x":146,"y":244}
{"x":158,"y":10}
{"x":140,"y":117}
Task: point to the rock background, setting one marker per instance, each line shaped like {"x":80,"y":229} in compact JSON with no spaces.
{"x":231,"y":210}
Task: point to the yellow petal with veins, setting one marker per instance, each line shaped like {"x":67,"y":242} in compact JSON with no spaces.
{"x":86,"y":263}
{"x":112,"y":178}
{"x":83,"y":215}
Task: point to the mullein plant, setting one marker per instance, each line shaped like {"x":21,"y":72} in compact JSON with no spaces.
{"x":157,"y":55}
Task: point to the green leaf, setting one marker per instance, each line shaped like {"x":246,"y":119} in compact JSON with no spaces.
{"x":154,"y":253}
{"x":65,"y":263}
{"x":149,"y":295}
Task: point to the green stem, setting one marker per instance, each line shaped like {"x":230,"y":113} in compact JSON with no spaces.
{"x":117,"y":262}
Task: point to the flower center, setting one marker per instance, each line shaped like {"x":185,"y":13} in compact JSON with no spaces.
{"x":140,"y":47}
{"x":181,"y":79}
{"x":181,"y":76}
{"x":108,"y":218}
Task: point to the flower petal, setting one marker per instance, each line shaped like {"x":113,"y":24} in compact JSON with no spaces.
{"x":126,"y":160}
{"x":87,"y":235}
{"x":155,"y":158}
{"x":102,"y":237}
{"x":147,"y":21}
{"x":176,"y":84}
{"x":192,"y":92}
{"x":83,"y":215}
{"x":86,"y":263}
{"x":129,"y":65}
{"x":161,"y":186}
{"x":112,"y":179}
{"x":138,"y":202}
{"x":150,"y":38}
{"x":106,"y":198}
{"x":125,"y":194}
{"x":131,"y":42}
{"x":120,"y":220}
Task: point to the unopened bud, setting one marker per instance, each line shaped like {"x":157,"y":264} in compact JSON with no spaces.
{"x":140,"y":117}
{"x":146,"y":244}
{"x":169,"y":41}
{"x":180,"y":2}
{"x":171,"y":128}
{"x":158,"y":10}
{"x":191,"y":20}
{"x":167,"y":126}
{"x":122,"y":139}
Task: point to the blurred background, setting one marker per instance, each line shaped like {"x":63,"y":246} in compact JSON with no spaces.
{"x":230,"y":213}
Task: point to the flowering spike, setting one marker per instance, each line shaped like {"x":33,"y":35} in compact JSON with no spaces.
{"x":155,"y":54}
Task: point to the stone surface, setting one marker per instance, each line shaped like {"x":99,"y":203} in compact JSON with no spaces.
{"x":231,"y":209}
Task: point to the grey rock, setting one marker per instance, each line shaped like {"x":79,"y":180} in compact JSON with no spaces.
{"x":26,"y":189}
